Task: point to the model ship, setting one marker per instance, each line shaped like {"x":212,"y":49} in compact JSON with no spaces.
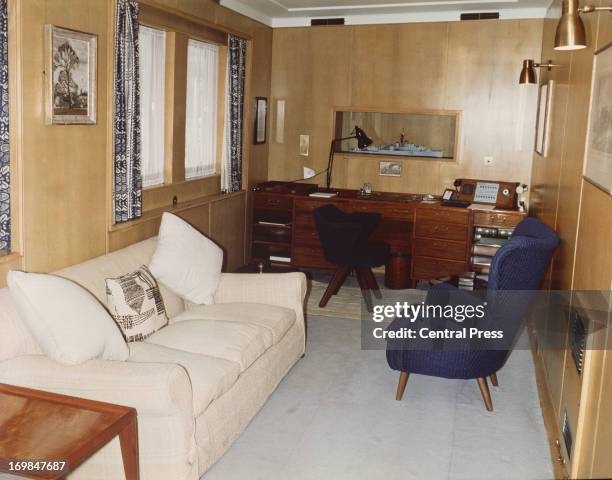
{"x":402,"y":148}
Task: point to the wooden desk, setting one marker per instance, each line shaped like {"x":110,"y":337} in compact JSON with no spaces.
{"x":434,"y":240}
{"x":39,"y":427}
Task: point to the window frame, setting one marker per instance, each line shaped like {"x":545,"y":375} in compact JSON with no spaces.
{"x":179,"y":30}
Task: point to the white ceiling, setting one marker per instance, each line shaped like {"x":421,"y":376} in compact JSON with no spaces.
{"x":293,"y":13}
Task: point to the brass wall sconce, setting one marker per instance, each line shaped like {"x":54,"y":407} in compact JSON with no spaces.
{"x":571,"y":34}
{"x":528,"y":73}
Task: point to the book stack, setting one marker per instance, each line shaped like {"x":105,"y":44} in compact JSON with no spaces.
{"x":466,"y":281}
{"x":487,"y":241}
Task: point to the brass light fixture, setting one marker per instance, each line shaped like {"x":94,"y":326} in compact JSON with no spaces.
{"x":571,"y":34}
{"x":528,"y":73}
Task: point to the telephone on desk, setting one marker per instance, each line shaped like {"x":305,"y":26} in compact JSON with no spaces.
{"x":497,"y":194}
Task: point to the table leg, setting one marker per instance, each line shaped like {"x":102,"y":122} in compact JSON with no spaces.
{"x":128,"y":438}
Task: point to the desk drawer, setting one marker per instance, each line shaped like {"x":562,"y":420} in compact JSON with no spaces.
{"x":435,"y":229}
{"x":489,"y":219}
{"x":308,"y":205}
{"x":427,"y":268}
{"x":306,"y":237}
{"x":310,"y":257}
{"x":398,"y":212}
{"x":304,"y":220}
{"x":270,"y":201}
{"x":444,"y":249}
{"x":444,"y":215}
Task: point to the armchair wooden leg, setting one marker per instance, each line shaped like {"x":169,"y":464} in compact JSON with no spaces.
{"x":486,"y":395}
{"x":401,"y":386}
{"x":334,"y":285}
{"x":365,"y":288}
{"x":494,"y":380}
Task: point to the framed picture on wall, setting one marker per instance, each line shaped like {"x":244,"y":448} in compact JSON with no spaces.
{"x":543,"y":121}
{"x":70,"y":80}
{"x":598,"y":161}
{"x":261,"y":120}
{"x":390,"y":169}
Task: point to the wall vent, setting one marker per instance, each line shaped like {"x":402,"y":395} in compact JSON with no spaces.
{"x":577,"y":338}
{"x":317,"y":22}
{"x":480,"y":16}
{"x":567,"y":435}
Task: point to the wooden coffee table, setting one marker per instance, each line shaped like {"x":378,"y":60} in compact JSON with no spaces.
{"x":46,"y":436}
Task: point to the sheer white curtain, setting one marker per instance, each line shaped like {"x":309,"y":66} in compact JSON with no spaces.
{"x":226,"y":154}
{"x":201,"y":121}
{"x":152,"y":43}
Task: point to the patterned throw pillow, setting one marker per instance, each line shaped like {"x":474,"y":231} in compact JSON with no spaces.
{"x":136,"y":304}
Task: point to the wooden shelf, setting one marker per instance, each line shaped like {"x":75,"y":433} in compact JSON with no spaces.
{"x":267,"y":242}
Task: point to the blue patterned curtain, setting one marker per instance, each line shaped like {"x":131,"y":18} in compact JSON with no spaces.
{"x":5,"y":163}
{"x":237,"y":73}
{"x":127,"y":165}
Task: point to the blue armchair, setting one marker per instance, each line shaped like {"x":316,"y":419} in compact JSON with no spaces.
{"x":519,"y":265}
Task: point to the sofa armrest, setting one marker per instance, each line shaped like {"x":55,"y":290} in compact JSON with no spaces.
{"x":151,"y":388}
{"x":281,"y":289}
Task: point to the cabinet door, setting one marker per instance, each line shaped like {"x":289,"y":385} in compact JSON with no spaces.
{"x":227,"y":228}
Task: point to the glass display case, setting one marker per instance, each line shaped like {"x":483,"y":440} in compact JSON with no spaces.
{"x":421,"y":135}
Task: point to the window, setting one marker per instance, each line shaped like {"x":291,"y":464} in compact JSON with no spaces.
{"x":201,"y":121}
{"x":152,"y":90}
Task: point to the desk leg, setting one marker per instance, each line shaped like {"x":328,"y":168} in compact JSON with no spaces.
{"x":128,"y":438}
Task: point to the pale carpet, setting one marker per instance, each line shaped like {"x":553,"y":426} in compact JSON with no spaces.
{"x":347,"y":303}
{"x":335,"y":417}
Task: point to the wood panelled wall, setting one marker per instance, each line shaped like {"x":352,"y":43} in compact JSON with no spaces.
{"x":582,"y":215}
{"x":469,"y":66}
{"x":64,"y":198}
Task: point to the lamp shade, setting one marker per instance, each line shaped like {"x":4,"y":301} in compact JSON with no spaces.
{"x":528,"y":74}
{"x":570,"y":34}
{"x":363,"y":140}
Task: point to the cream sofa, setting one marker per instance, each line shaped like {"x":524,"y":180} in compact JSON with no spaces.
{"x":196,"y":383}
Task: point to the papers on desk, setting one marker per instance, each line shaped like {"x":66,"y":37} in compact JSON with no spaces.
{"x":323,"y":194}
{"x":480,"y":206}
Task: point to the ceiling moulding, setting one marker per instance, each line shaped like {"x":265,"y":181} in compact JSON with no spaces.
{"x":394,"y":5}
{"x":248,"y":11}
{"x":450,"y":15}
{"x":414,"y":17}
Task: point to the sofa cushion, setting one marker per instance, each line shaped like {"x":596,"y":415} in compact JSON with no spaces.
{"x":68,"y":323}
{"x":185,"y":260}
{"x":136,"y":304}
{"x":15,"y":338}
{"x":275,"y":320}
{"x":92,"y":273}
{"x":210,"y":377}
{"x":242,"y":343}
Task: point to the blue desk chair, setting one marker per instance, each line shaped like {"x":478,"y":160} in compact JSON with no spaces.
{"x":519,"y":265}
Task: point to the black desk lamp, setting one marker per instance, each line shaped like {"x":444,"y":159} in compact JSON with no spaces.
{"x":363,"y":141}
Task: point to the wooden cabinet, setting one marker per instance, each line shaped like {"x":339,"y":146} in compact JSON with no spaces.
{"x":441,"y":242}
{"x":272,"y":226}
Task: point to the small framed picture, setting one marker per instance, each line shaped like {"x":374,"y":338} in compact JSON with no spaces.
{"x":70,"y":81}
{"x":261,"y":120}
{"x":390,"y":169}
{"x":598,"y":154}
{"x":304,"y":145}
{"x":543,"y":120}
